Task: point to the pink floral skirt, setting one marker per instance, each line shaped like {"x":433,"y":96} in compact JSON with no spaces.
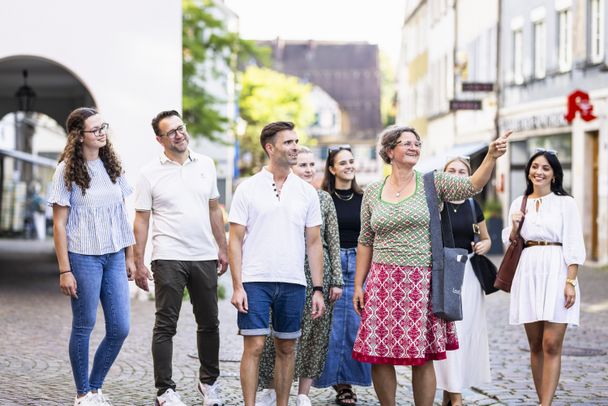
{"x":397,"y":323}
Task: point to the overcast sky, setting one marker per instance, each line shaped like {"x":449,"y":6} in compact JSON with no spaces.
{"x":375,"y":21}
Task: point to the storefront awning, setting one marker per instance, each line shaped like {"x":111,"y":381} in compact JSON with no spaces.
{"x":437,"y":161}
{"x":33,"y":159}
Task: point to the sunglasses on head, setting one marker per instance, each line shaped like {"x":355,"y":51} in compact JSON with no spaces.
{"x":548,"y":151}
{"x":336,"y":148}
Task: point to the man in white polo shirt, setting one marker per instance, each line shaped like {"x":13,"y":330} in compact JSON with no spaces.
{"x":275,"y":221}
{"x":179,"y":191}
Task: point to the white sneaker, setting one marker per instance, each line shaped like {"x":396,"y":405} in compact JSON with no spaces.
{"x":267,"y":397}
{"x":169,"y":398}
{"x":211,"y":394}
{"x":303,"y":400}
{"x":90,"y":399}
{"x":101,"y":399}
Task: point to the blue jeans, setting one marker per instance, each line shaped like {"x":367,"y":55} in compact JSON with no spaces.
{"x":287,"y":303}
{"x":99,"y":278}
{"x":340,"y":367}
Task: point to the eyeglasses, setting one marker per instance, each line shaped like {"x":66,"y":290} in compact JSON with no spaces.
{"x":172,"y":133}
{"x":410,"y":144}
{"x":335,"y":148}
{"x":548,"y":151}
{"x":98,"y":131}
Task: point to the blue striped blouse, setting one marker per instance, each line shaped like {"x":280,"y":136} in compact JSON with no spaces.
{"x":97,"y":222}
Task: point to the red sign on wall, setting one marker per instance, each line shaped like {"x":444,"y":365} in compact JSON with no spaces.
{"x":578,"y":101}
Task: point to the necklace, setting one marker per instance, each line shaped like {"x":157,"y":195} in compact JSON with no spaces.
{"x":407,"y":182}
{"x":453,"y":206}
{"x":344,"y":198}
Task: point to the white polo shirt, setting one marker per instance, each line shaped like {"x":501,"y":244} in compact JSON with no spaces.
{"x":275,"y":244}
{"x":178,"y":196}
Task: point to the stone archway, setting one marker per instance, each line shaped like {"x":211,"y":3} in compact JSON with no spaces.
{"x":58,"y":90}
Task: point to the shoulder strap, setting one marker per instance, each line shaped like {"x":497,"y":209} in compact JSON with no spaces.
{"x":435,"y":223}
{"x":522,"y":208}
{"x":446,"y":229}
{"x":474,"y":217}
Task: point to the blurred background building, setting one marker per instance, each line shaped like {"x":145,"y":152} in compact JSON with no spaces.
{"x":471,"y":69}
{"x":554,"y":94}
{"x":122,"y":57}
{"x":346,"y":95}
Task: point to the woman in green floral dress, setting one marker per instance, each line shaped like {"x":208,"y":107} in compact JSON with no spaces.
{"x":394,"y":260}
{"x":312,"y":346}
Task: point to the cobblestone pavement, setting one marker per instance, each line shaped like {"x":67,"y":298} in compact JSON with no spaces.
{"x":35,"y":324}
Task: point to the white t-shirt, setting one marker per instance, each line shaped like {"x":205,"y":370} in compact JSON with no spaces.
{"x":274,"y":246}
{"x":178,"y":196}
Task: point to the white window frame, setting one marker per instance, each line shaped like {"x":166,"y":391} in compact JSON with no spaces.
{"x":597,"y":30}
{"x":518,"y":56}
{"x":564,"y":50}
{"x":540,"y":49}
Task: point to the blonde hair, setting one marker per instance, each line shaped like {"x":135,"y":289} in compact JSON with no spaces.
{"x":461,"y":160}
{"x":304,"y":150}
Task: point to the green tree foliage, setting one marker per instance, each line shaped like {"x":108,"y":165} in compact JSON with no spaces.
{"x":268,"y":96}
{"x":209,"y":49}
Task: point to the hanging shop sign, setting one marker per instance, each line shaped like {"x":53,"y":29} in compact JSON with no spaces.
{"x":536,"y":122}
{"x":477,"y":86}
{"x":465,"y":105}
{"x":578,"y":101}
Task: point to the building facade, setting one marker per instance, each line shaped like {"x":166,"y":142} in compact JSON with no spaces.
{"x":349,"y":73}
{"x":554,"y":95}
{"x":122,"y":57}
{"x":447,"y":46}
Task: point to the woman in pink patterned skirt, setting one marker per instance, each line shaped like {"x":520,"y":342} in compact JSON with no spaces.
{"x":394,"y":261}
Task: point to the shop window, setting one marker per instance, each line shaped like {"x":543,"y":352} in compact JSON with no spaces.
{"x":596,"y":34}
{"x":565,"y":40}
{"x":518,"y":56}
{"x":540,"y":49}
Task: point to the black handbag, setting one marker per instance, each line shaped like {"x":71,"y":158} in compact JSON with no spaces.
{"x":448,"y":262}
{"x":484,"y":269}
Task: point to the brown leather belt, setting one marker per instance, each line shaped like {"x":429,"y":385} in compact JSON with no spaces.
{"x":540,"y":243}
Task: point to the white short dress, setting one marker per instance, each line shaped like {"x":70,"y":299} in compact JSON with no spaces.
{"x":538,"y":287}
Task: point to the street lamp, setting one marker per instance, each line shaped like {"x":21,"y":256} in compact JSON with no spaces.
{"x":25,"y":95}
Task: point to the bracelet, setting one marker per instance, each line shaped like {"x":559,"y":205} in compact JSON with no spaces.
{"x":62,"y":272}
{"x":317,"y":289}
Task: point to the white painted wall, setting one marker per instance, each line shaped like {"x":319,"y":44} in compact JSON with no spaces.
{"x":127,"y":53}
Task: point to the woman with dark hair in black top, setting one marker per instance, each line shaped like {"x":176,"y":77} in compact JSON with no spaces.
{"x":341,"y":370}
{"x":469,"y":365}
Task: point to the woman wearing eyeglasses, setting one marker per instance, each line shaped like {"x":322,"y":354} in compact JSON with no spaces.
{"x":313,"y":343}
{"x":394,"y":260}
{"x":545,"y":296}
{"x":341,"y":371}
{"x":469,"y":365}
{"x":93,"y":243}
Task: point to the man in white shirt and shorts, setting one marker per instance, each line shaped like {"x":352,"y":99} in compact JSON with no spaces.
{"x":275,"y":221}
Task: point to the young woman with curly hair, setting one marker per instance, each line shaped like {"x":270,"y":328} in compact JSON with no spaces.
{"x":93,"y":244}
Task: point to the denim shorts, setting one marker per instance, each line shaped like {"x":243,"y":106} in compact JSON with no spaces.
{"x":286,"y":300}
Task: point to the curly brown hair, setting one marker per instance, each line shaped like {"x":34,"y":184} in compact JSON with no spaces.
{"x":75,"y":166}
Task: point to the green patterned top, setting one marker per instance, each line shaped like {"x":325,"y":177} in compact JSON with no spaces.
{"x":400,"y":232}
{"x":331,"y":242}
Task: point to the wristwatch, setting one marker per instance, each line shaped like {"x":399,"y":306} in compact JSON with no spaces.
{"x":572,"y":282}
{"x":317,"y":288}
